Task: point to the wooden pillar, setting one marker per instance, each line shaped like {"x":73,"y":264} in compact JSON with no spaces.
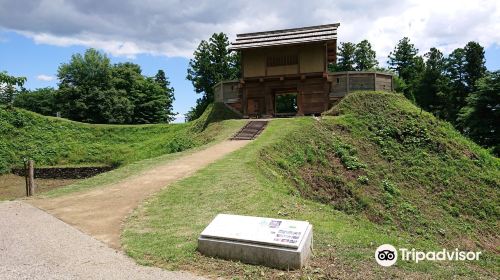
{"x":392,"y":83}
{"x":30,"y":175}
{"x":26,"y":177}
{"x":326,"y":87}
{"x":374,"y":81}
{"x":347,"y":83}
{"x":269,"y":101}
{"x":300,"y":103}
{"x":244,"y":102}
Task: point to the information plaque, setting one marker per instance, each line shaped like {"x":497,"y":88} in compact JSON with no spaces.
{"x":246,"y":238}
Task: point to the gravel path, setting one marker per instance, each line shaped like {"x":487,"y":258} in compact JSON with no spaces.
{"x":36,"y":245}
{"x":101,"y":212}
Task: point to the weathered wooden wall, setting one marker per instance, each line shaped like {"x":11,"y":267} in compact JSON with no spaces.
{"x":345,"y":82}
{"x":310,"y":59}
{"x":312,"y":95}
{"x":315,"y":93}
{"x":227,"y":91}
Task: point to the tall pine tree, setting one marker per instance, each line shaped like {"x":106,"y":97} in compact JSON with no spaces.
{"x":161,"y":79}
{"x":405,"y":61}
{"x":346,"y":60}
{"x":474,"y":64}
{"x":481,"y":114}
{"x":211,"y":64}
{"x":364,"y":56}
{"x":432,"y":83}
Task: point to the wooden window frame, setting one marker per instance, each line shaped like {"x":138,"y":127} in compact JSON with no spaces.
{"x":282,"y":60}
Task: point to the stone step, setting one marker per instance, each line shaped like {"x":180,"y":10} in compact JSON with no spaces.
{"x":251,"y":130}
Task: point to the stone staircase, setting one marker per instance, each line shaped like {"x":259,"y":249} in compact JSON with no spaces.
{"x":250,"y":131}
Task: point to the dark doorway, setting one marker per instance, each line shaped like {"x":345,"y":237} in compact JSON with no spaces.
{"x":286,"y":104}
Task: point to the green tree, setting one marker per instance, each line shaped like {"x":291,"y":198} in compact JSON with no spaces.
{"x":474,"y":64}
{"x":83,"y":84}
{"x":162,"y":80}
{"x":125,"y":75}
{"x":93,"y":90}
{"x":457,"y":88}
{"x":405,"y":61}
{"x":151,"y":97}
{"x":9,"y":86}
{"x":211,"y":64}
{"x":150,"y":102}
{"x":481,"y":114}
{"x":464,"y":67}
{"x":346,"y":54}
{"x":364,"y":56}
{"x":432,"y":83}
{"x":88,"y":71}
{"x":42,"y":100}
{"x":402,"y":59}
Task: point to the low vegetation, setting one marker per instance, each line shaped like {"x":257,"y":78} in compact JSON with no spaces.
{"x":55,"y":141}
{"x":398,"y":166}
{"x":379,"y":171}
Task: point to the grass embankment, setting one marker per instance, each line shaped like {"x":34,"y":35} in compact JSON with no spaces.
{"x":381,"y":172}
{"x":55,"y":141}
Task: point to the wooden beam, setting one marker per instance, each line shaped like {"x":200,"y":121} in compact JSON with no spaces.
{"x":347,"y":83}
{"x":31,"y":177}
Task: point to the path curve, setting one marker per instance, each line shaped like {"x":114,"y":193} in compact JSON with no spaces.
{"x":36,"y":245}
{"x":101,"y":212}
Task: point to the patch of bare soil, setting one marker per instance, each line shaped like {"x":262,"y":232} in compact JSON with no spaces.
{"x":14,"y":186}
{"x":100,"y":212}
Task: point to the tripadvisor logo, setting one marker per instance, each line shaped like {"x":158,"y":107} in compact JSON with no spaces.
{"x":387,"y":255}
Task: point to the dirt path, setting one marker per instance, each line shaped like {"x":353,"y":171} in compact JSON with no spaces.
{"x":35,"y":245}
{"x":100,"y":212}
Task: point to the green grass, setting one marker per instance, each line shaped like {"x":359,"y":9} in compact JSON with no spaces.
{"x":54,"y":141}
{"x":224,"y":130}
{"x":381,"y":172}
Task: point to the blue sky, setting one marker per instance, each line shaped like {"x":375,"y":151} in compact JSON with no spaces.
{"x":21,"y":56}
{"x":36,"y":36}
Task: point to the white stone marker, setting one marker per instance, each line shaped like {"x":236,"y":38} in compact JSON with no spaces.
{"x":271,"y":242}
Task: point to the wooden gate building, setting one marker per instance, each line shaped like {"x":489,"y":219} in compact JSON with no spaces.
{"x":285,"y":72}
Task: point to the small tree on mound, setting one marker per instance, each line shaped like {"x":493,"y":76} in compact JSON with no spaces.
{"x":9,"y":85}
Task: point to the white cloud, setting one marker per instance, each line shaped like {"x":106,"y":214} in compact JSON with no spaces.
{"x":179,"y":118}
{"x":45,"y":78}
{"x":174,"y":28}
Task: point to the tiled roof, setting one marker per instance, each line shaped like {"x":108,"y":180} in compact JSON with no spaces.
{"x":319,"y":33}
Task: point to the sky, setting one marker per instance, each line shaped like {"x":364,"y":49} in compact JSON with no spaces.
{"x":36,"y":36}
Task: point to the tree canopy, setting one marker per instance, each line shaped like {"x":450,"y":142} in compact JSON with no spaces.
{"x":346,"y":57}
{"x":364,"y":56}
{"x":212,"y":63}
{"x":405,"y":61}
{"x":9,"y":85}
{"x":352,"y":57}
{"x":93,"y":90}
{"x":481,"y":114}
{"x":42,"y":100}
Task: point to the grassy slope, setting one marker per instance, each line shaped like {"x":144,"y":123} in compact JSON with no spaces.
{"x":266,"y":178}
{"x":209,"y":129}
{"x":54,"y":141}
{"x":398,"y":166}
